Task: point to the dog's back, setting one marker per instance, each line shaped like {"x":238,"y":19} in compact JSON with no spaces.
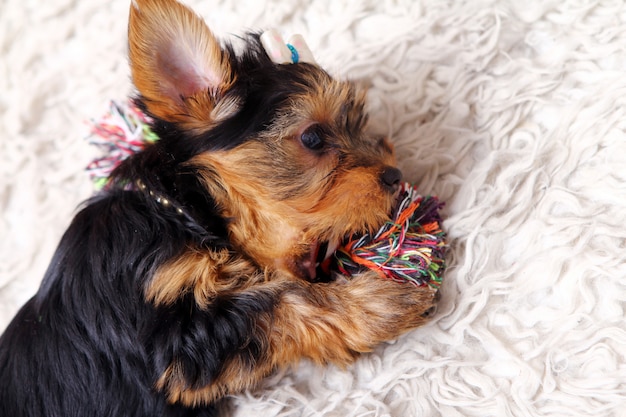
{"x":82,"y":345}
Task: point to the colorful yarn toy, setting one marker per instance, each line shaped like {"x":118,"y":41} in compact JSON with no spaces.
{"x":123,"y":131}
{"x":409,"y":248}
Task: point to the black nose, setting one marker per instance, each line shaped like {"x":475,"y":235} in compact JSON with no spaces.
{"x":390,"y":177}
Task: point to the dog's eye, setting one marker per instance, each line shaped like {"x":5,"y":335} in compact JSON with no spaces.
{"x":313,"y":138}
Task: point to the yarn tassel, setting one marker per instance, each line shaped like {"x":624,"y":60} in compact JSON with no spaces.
{"x":120,"y":133}
{"x":410,"y":248}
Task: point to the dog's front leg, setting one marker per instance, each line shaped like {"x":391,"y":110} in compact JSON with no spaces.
{"x":206,"y":348}
{"x":335,"y":322}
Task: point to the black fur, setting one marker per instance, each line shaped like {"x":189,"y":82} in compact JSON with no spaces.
{"x":88,"y":344}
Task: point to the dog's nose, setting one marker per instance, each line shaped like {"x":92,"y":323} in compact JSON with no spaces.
{"x":390,"y":177}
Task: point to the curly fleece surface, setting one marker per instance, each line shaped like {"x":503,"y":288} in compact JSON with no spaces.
{"x":512,"y":112}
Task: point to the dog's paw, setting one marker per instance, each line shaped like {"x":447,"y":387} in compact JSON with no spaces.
{"x":384,"y":309}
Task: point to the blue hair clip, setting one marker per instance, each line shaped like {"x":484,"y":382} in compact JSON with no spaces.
{"x":294,"y":53}
{"x":281,"y":52}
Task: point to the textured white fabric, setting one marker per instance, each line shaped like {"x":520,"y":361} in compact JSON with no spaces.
{"x":513,"y":112}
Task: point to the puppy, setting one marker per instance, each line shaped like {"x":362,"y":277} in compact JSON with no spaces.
{"x":194,"y":274}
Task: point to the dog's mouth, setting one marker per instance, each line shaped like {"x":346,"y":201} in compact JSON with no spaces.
{"x":314,"y":264}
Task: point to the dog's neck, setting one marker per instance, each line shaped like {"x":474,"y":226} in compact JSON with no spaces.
{"x":210,"y":228}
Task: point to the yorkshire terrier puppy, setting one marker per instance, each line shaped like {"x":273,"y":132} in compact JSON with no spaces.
{"x":194,"y":275}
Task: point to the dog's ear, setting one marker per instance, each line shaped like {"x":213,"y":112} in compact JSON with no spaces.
{"x":177,"y":64}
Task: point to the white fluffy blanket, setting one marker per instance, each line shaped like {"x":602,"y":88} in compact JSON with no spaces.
{"x":513,"y":112}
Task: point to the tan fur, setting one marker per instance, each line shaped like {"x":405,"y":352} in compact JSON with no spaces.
{"x":204,"y":273}
{"x":178,"y":65}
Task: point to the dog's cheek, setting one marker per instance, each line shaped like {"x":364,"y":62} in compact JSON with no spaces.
{"x":356,"y":203}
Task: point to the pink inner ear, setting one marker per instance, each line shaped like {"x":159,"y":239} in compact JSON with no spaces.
{"x":185,"y":72}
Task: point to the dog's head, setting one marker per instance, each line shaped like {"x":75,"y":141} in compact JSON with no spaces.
{"x":279,"y":150}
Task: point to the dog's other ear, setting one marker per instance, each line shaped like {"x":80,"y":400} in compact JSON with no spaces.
{"x":177,"y":65}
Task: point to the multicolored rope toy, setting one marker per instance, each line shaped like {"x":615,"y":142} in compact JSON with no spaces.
{"x":410,"y":248}
{"x":123,"y":131}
